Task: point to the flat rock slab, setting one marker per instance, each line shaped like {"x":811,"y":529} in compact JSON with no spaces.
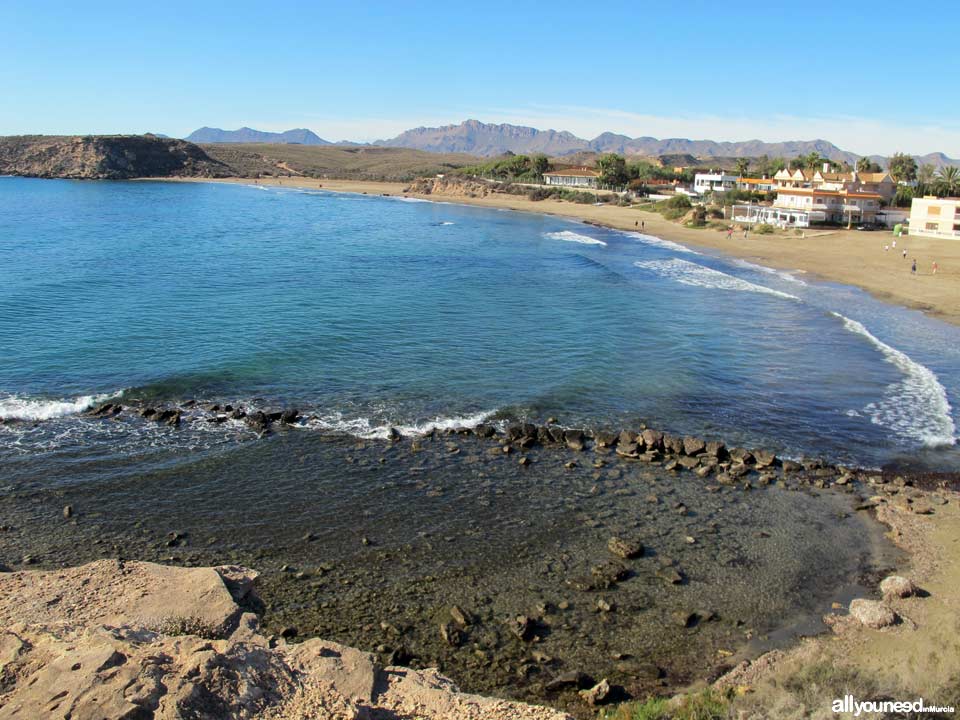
{"x":109,"y":592}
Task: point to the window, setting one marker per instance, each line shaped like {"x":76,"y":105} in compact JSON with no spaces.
{"x":933,"y":210}
{"x":932,"y":226}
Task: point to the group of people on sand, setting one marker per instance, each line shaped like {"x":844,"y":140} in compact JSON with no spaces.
{"x":913,"y":265}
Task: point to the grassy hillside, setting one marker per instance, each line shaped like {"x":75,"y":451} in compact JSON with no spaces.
{"x":354,"y":163}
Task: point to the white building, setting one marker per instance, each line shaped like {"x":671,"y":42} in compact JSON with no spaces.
{"x":572,"y":177}
{"x":801,"y":207}
{"x":935,"y":217}
{"x":713,"y":182}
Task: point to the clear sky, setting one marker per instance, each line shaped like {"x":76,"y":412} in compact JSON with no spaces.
{"x":872,"y":77}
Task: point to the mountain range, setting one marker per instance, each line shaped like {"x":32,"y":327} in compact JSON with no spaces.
{"x":298,"y":136}
{"x":490,"y":140}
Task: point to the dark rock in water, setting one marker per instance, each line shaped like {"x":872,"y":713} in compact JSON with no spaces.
{"x":452,"y":635}
{"x":598,"y":694}
{"x":168,"y":417}
{"x":148,"y":412}
{"x":672,"y":444}
{"x":523,"y":627}
{"x":670,"y":465}
{"x":626,"y":437}
{"x":670,"y":575}
{"x":529,"y":430}
{"x":258,"y":421}
{"x":460,"y":616}
{"x":574,"y":439}
{"x":238,"y":414}
{"x":628,"y":450}
{"x":741,"y":455}
{"x":571,"y":679}
{"x":686,"y":619}
{"x":274,"y":415}
{"x":737,"y":470}
{"x":289,"y":416}
{"x":716,"y":449}
{"x":693,"y":446}
{"x":652,"y":439}
{"x":484,"y":431}
{"x":106,"y":410}
{"x":212,"y":407}
{"x":605,"y":439}
{"x":625,"y":547}
{"x":688,"y":462}
{"x":543,"y":435}
{"x":188,"y":404}
{"x":764,"y":458}
{"x":557,"y":433}
{"x":514,"y":432}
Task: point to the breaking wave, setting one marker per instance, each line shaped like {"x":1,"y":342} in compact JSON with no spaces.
{"x":14,"y":407}
{"x":917,"y":406}
{"x":365,"y":428}
{"x":782,"y":274}
{"x":689,"y":273}
{"x":574,"y":237}
{"x":660,"y":243}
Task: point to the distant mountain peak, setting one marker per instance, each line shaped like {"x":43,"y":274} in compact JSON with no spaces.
{"x":300,"y":136}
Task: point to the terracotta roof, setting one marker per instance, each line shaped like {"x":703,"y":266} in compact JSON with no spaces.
{"x":574,"y":172}
{"x":838,"y":193}
{"x":872,"y":177}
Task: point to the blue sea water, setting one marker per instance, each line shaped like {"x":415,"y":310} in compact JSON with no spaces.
{"x":367,"y":312}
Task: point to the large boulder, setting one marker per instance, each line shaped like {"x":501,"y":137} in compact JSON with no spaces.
{"x":896,"y":586}
{"x":872,"y":613}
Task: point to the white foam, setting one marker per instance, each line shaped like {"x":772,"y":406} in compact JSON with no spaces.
{"x":782,"y":274}
{"x":689,"y":273}
{"x":574,"y":237}
{"x":660,"y":242}
{"x":916,"y":407}
{"x":363,"y":428}
{"x":14,"y":407}
{"x":446,"y":222}
{"x":406,"y":199}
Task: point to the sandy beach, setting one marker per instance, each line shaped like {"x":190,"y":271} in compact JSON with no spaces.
{"x":843,"y":256}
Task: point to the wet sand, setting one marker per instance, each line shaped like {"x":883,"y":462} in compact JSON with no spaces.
{"x":843,"y":256}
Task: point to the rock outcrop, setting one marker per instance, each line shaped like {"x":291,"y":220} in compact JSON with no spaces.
{"x":105,"y":157}
{"x":112,"y":640}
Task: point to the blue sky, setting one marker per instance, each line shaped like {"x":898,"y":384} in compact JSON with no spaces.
{"x":872,"y":77}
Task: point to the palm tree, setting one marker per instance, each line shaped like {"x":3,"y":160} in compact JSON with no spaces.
{"x":742,"y":166}
{"x":925,"y":176}
{"x":813,"y":161}
{"x":948,"y":181}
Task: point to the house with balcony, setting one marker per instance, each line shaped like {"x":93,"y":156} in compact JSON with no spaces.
{"x":756,"y":184}
{"x":713,"y":182}
{"x":803,"y":207}
{"x":935,"y":217}
{"x":880,"y":183}
{"x":577,"y":177}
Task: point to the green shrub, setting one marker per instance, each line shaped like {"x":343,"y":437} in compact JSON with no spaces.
{"x":763,"y":229}
{"x":678,"y":202}
{"x":705,"y":705}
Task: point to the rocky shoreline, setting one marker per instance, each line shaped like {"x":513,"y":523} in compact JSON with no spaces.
{"x":116,"y":640}
{"x":707,"y":459}
{"x":544,"y":645}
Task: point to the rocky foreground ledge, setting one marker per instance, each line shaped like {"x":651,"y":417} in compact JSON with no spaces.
{"x":131,"y":640}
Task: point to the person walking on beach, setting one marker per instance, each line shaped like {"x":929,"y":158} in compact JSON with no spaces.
{"x":894,"y":245}
{"x":636,"y":223}
{"x":730,"y":233}
{"x":745,"y":231}
{"x":913,"y":270}
{"x":935,"y":267}
{"x":643,"y":225}
{"x":904,"y":253}
{"x":886,"y":248}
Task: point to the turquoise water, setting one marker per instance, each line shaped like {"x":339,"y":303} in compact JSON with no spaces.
{"x":368,"y":311}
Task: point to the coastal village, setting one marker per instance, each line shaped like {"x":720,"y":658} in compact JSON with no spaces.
{"x":803,"y":198}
